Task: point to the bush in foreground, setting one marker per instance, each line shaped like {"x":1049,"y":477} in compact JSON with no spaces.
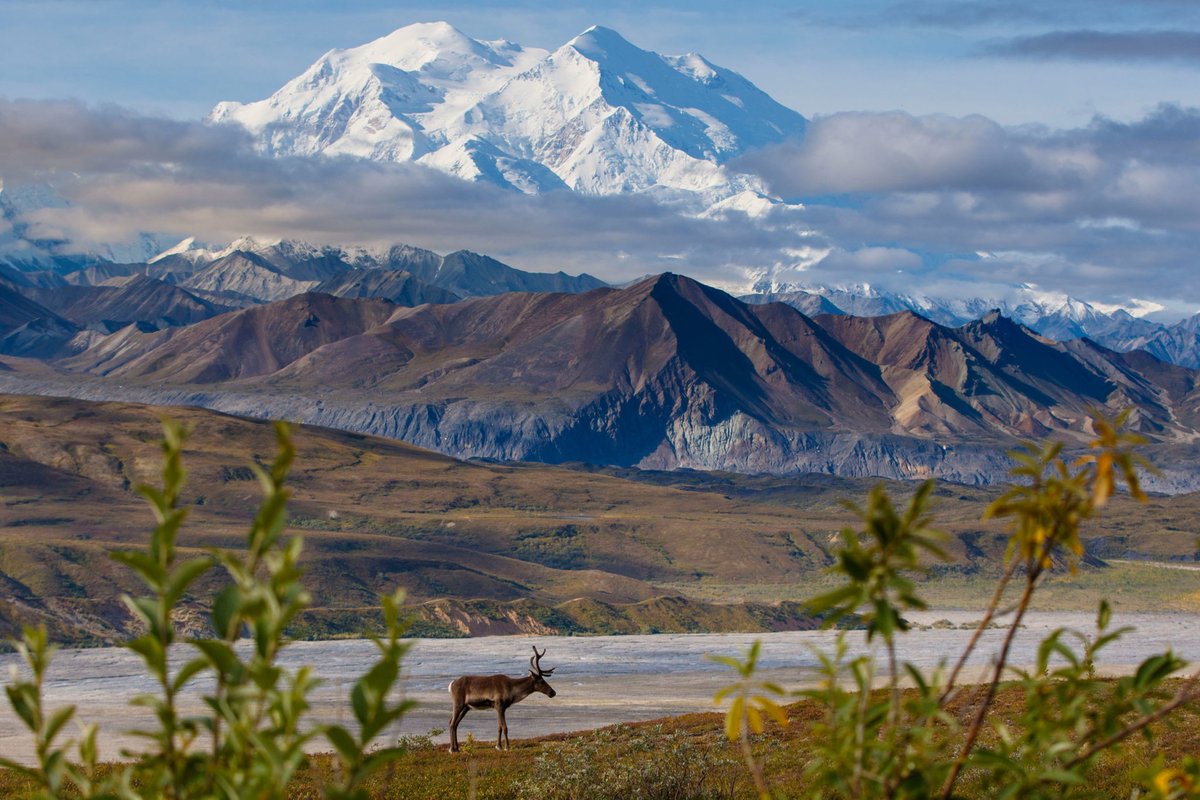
{"x":251,"y":741}
{"x":919,"y":743}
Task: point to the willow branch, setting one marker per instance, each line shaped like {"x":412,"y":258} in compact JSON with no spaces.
{"x":1188,"y":693}
{"x":997,"y":674}
{"x":988,"y":616}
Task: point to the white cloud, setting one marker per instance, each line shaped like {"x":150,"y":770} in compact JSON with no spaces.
{"x":1105,"y":212}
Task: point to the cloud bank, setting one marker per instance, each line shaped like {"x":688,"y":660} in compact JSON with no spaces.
{"x":1088,"y":45}
{"x":123,"y":174}
{"x":1105,"y":212}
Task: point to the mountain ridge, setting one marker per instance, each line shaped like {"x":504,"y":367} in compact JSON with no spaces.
{"x":663,"y":374}
{"x":1058,"y":316}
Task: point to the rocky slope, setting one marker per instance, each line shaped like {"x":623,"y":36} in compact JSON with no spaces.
{"x":398,"y":286}
{"x":30,"y":329}
{"x":137,"y":299}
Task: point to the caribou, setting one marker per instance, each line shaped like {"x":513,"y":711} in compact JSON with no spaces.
{"x":498,"y":692}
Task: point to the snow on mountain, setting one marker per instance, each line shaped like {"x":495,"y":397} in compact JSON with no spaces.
{"x":1056,"y":316}
{"x":269,"y":270}
{"x":388,"y":100}
{"x":597,"y":115}
{"x":188,"y":250}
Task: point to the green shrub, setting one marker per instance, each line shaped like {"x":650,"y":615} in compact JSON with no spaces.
{"x":250,"y":742}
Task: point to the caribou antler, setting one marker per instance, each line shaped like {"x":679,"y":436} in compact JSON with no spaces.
{"x":535,"y":663}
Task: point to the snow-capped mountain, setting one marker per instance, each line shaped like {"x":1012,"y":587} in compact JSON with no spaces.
{"x":1055,"y":316}
{"x":597,"y":115}
{"x":277,"y":269}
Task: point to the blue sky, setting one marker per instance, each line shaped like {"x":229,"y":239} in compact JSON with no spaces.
{"x":180,"y":57}
{"x":952,"y":143}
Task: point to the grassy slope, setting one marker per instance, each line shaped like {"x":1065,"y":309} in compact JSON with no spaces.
{"x":480,"y":547}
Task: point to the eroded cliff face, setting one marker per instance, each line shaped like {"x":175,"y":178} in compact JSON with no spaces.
{"x":636,"y":431}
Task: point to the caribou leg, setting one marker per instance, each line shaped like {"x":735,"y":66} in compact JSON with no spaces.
{"x":455,"y":718}
{"x":500,"y":726}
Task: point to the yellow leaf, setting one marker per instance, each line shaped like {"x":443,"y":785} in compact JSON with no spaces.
{"x":774,"y":710}
{"x":755,"y":719}
{"x":1162,"y":781}
{"x":733,"y":720}
{"x":1104,"y":478}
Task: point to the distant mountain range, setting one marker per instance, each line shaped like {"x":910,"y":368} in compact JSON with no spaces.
{"x":1058,"y":317}
{"x":49,"y":312}
{"x":470,"y":356}
{"x":666,"y":373}
{"x":189,"y":282}
{"x":597,"y":115}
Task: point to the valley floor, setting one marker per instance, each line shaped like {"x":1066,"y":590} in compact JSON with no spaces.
{"x":600,"y":680}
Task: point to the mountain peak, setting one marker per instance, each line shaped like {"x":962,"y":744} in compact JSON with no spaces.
{"x":418,"y":46}
{"x":183,"y":247}
{"x":598,"y":40}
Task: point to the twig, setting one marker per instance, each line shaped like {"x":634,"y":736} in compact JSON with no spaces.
{"x":997,"y":674}
{"x":1187,"y":693}
{"x":760,"y":782}
{"x":988,"y":616}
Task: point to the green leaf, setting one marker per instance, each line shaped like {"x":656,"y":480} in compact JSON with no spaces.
{"x":343,"y":742}
{"x":184,"y":575}
{"x":147,"y":608}
{"x":224,"y":611}
{"x":151,"y":650}
{"x":1062,"y":776}
{"x":188,"y":671}
{"x":141,"y":563}
{"x":56,"y":721}
{"x":358,"y":702}
{"x":219,"y":653}
{"x":833,"y":599}
{"x":24,"y":702}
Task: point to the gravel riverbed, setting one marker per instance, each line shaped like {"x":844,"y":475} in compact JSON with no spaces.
{"x":600,"y":680}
